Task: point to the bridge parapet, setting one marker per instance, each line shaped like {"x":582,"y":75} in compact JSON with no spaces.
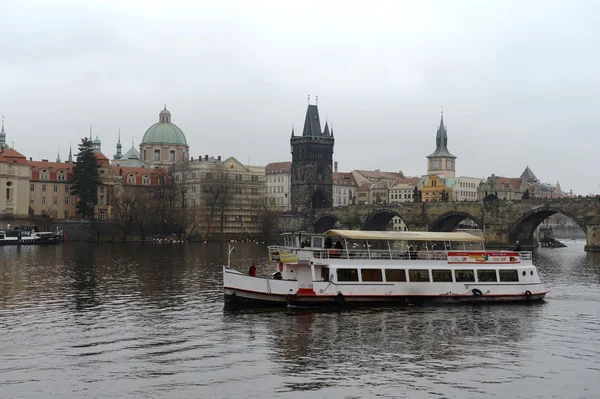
{"x":502,"y":221}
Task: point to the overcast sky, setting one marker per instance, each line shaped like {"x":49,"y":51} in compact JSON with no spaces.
{"x":518,"y":81}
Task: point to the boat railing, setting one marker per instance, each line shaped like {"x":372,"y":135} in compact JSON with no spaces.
{"x":375,"y":254}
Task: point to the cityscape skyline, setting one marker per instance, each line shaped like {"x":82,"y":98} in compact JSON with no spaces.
{"x":238,"y":94}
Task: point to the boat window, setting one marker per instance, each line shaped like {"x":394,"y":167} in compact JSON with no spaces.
{"x":371,"y":275}
{"x":317,"y":242}
{"x":464,"y":276}
{"x":441,"y":276}
{"x":486,"y":276}
{"x":508,"y":275}
{"x":325,"y":273}
{"x":395,"y":275}
{"x":418,"y":275}
{"x":347,"y":275}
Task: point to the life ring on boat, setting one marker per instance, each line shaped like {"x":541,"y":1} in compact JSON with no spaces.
{"x":476,"y":292}
{"x":528,"y":294}
{"x":339,"y":299}
{"x":280,"y":266}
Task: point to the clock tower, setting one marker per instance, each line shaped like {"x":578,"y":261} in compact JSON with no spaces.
{"x":441,"y":162}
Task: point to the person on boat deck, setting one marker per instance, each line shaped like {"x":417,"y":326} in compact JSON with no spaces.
{"x":328,"y":243}
{"x":338,"y":245}
{"x":252,"y":271}
{"x":518,"y":247}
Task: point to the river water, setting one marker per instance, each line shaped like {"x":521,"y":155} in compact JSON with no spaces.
{"x":146,"y":321}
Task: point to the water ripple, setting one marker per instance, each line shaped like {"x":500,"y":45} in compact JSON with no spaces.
{"x":146,"y":321}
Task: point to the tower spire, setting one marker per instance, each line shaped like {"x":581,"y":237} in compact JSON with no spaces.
{"x":3,"y":145}
{"x":90,"y":132}
{"x":118,"y":155}
{"x":292,"y":129}
{"x":58,"y":157}
{"x":70,"y":154}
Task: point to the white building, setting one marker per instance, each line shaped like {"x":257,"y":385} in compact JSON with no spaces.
{"x":278,"y":186}
{"x":402,"y":190}
{"x":465,"y":188}
{"x":344,"y":189}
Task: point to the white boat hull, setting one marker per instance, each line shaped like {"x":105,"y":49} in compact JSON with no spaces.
{"x":242,"y":290}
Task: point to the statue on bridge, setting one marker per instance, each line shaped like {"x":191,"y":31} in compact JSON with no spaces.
{"x":416,"y":195}
{"x":445,"y":195}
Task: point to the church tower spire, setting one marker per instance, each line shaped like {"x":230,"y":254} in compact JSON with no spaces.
{"x":118,"y":155}
{"x":58,"y":157}
{"x":441,"y":161}
{"x":70,"y":160}
{"x":3,"y":145}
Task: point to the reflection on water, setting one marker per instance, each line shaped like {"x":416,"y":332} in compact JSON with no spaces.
{"x":138,"y":320}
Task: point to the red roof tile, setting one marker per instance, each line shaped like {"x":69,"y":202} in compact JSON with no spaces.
{"x":343,"y":179}
{"x":279,"y":167}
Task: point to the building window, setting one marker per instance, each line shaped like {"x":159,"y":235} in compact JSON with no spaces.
{"x":61,"y":175}
{"x":44,"y":175}
{"x":55,"y":200}
{"x":43,"y":212}
{"x":101,"y":215}
{"x":66,"y":200}
{"x":56,"y":188}
{"x":32,"y":200}
{"x":144,"y":156}
{"x":131,"y":179}
{"x":43,"y":200}
{"x":157,"y":155}
{"x":101,"y":190}
{"x":66,"y":214}
{"x":43,"y":187}
{"x":101,"y":201}
{"x":31,"y":187}
{"x":66,"y":189}
{"x":146,"y":179}
{"x":172,"y":156}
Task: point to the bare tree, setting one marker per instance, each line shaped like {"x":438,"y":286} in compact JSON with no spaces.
{"x":217,"y":196}
{"x":125,"y":203}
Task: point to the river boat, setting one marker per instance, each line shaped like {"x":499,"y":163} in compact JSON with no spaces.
{"x":376,"y":268}
{"x":29,"y":237}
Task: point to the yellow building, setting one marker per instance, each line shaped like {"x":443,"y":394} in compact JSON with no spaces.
{"x":14,"y":179}
{"x":434,"y":189}
{"x":50,"y":189}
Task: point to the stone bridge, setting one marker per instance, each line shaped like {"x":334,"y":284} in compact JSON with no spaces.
{"x":502,"y":222}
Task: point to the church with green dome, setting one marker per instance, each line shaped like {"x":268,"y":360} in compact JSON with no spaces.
{"x":164,"y":143}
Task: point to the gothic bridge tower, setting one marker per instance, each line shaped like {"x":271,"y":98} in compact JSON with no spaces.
{"x":312,"y":157}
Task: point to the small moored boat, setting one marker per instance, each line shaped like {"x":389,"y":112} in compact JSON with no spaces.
{"x":385,"y":268}
{"x":29,"y":237}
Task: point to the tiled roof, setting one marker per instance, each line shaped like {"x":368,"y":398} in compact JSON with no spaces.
{"x":37,"y":165}
{"x":528,"y":175}
{"x":279,"y":167}
{"x":413,"y":181}
{"x":365,"y":186}
{"x":13,"y":156}
{"x":515,"y":182}
{"x":343,"y":179}
{"x":377,"y":174}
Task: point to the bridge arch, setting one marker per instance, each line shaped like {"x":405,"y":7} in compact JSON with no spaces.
{"x":380,"y":219}
{"x":524,"y":227}
{"x":325,"y":222}
{"x":450,"y":221}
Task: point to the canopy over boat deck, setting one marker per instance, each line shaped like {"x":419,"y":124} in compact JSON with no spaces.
{"x":458,"y":236}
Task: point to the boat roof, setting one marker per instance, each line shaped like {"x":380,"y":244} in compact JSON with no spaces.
{"x":455,"y":236}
